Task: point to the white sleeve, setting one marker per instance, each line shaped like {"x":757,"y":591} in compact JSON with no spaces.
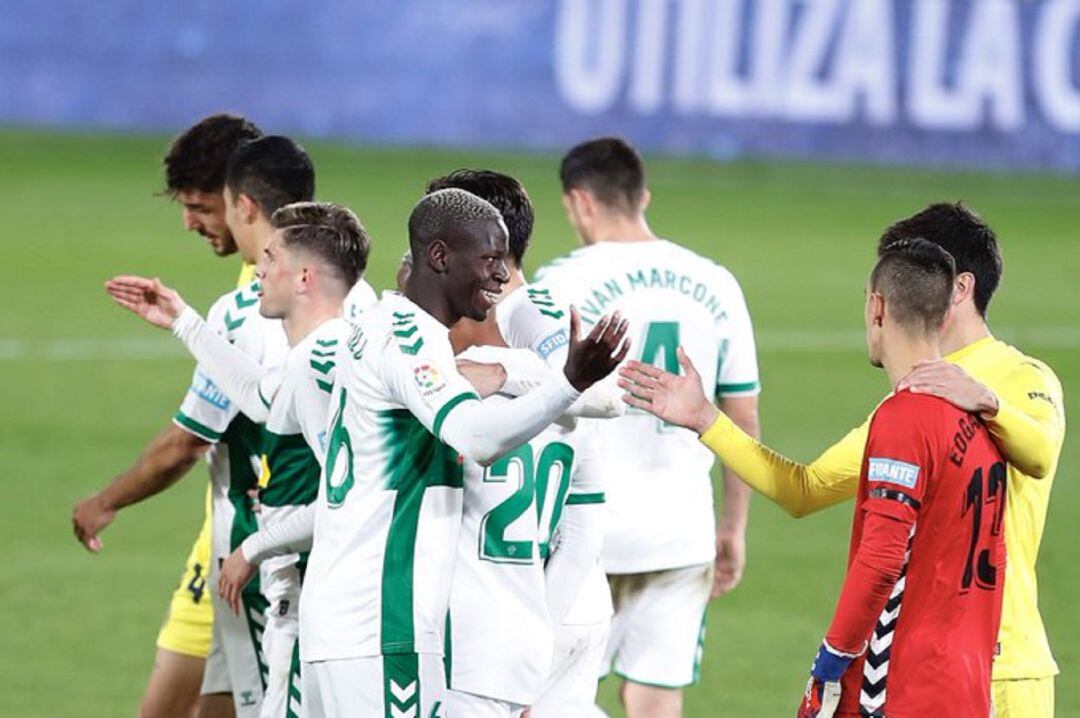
{"x":738,"y":372}
{"x":243,"y":380}
{"x":484,"y":432}
{"x":290,"y":535}
{"x":424,"y":377}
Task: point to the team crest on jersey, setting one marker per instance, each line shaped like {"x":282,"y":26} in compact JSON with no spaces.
{"x":428,"y":378}
{"x":893,"y":472}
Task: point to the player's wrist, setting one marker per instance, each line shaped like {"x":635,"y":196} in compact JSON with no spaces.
{"x":185,"y":321}
{"x":831,"y":663}
{"x":705,"y":418}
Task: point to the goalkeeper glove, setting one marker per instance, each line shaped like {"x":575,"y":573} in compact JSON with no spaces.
{"x":822,"y":696}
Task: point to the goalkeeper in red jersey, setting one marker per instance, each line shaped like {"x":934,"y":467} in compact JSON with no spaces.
{"x":918,"y":614}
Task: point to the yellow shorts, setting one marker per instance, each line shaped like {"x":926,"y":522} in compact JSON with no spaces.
{"x":189,"y":624}
{"x":1023,"y":698}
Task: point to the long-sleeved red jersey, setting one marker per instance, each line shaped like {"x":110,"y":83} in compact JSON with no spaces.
{"x":926,"y":565}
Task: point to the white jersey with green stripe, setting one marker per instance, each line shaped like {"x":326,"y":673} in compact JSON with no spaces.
{"x":294,"y":444}
{"x":501,"y":637}
{"x":208,"y":413}
{"x":389,"y":506}
{"x":659,"y":492}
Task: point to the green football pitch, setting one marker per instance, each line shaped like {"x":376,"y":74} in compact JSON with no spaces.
{"x":86,"y":385}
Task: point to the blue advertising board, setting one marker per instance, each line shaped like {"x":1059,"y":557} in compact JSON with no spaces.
{"x":979,"y":83}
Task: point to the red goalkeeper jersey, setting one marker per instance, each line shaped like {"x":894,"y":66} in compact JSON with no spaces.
{"x":926,"y":565}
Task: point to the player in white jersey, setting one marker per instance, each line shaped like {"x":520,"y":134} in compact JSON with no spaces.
{"x":261,"y":176}
{"x":373,"y":609}
{"x":317,"y":253}
{"x":663,"y":542}
{"x":497,"y":665}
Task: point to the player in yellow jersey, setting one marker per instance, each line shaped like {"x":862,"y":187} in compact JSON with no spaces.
{"x":195,"y":177}
{"x":1018,"y":397}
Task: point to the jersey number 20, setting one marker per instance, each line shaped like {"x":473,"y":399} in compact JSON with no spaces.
{"x":535,"y":488}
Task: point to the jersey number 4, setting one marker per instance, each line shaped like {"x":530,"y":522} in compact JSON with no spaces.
{"x":981,"y":566}
{"x":535,"y":487}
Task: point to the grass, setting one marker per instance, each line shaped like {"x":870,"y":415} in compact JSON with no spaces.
{"x":77,"y":209}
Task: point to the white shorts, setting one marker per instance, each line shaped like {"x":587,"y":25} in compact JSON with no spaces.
{"x":401,"y":684}
{"x":570,"y":691}
{"x":283,"y":695}
{"x":236,"y":664}
{"x":659,"y":625}
{"x":468,"y":705}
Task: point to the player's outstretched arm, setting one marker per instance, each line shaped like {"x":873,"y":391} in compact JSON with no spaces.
{"x":1027,"y":429}
{"x":800,"y":489}
{"x":483,"y":432}
{"x":242,"y":379}
{"x":164,"y":460}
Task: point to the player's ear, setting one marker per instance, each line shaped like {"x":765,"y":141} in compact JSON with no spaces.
{"x":963,"y":288}
{"x":877,"y":308}
{"x":438,"y":256}
{"x":249,"y":210}
{"x":646,"y":198}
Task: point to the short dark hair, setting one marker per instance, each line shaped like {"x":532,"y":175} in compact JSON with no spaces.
{"x":273,"y":171}
{"x":329,"y":231}
{"x":916,"y":278}
{"x":962,"y":233}
{"x":610,"y":169}
{"x":505,"y":193}
{"x":196,"y":159}
{"x":447,"y":214}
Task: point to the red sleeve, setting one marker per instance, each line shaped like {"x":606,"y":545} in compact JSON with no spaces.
{"x":897,"y":467}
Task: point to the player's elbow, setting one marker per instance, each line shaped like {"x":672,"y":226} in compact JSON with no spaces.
{"x":480,"y":451}
{"x":797,"y":511}
{"x":1036,"y":469}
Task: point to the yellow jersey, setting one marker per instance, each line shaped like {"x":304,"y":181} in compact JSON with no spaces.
{"x":1029,"y":428}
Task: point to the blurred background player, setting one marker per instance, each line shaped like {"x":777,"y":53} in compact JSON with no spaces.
{"x":195,"y":177}
{"x":915,"y":627}
{"x":317,"y":255}
{"x":665,"y":554}
{"x":1021,"y":401}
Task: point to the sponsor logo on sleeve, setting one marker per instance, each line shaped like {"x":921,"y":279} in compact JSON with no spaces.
{"x":894,"y":472}
{"x":429,"y":380}
{"x":207,"y":390}
{"x":549,"y":344}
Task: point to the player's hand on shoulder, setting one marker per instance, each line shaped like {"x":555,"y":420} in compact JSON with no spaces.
{"x":149,"y":298}
{"x":676,"y":399}
{"x":822,"y":696}
{"x":235,"y":573}
{"x":592,"y":358}
{"x":950,"y":382}
{"x":487,"y":379}
{"x":89,"y":518}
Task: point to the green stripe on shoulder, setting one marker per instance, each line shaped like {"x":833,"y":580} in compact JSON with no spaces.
{"x":594,"y":498}
{"x":446,"y":408}
{"x":200,"y":430}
